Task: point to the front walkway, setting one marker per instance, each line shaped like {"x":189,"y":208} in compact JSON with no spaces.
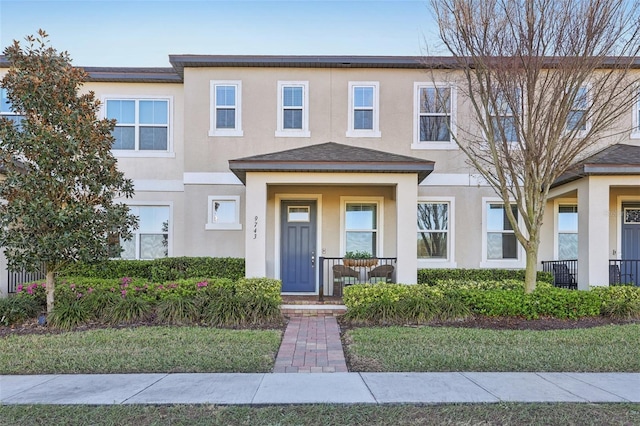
{"x":311,"y":345}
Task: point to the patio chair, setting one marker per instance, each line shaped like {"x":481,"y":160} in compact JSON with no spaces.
{"x":343,"y":276}
{"x":616,"y":276}
{"x":382,"y":273}
{"x":563,"y":278}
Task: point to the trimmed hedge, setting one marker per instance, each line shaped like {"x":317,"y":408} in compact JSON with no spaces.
{"x":432,"y":276}
{"x":158,"y":270}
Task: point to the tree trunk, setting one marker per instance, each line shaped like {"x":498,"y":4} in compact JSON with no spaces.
{"x":50,"y":290}
{"x":531,"y":271}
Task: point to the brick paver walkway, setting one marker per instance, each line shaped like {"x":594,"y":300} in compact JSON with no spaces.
{"x":311,"y":345}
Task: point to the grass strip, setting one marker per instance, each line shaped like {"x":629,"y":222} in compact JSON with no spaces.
{"x":141,"y":350}
{"x":483,"y":414}
{"x":598,"y":349}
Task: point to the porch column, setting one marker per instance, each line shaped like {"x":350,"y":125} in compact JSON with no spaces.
{"x":593,"y":232}
{"x":255,"y":223}
{"x":406,"y":202}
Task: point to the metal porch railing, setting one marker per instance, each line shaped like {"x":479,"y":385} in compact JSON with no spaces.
{"x":624,"y":272}
{"x":565,"y":272}
{"x":336,"y":273}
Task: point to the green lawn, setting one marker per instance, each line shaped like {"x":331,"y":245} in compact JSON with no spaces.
{"x":141,"y":350}
{"x":478,"y":414}
{"x":598,"y":349}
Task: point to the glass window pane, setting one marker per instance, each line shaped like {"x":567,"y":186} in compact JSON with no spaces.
{"x":567,"y":218}
{"x":432,"y":245}
{"x":128,"y":248}
{"x":153,"y":219}
{"x":361,"y":241}
{"x":506,"y":125}
{"x":435,"y":100}
{"x":224,"y":211}
{"x":575,"y":121}
{"x":153,"y":138}
{"x":363,"y":119}
{"x":225,"y":118}
{"x":299,"y":214}
{"x":292,"y":96}
{"x":225,"y":95}
{"x":121,"y":110}
{"x":501,"y":246}
{"x":433,"y":216}
{"x":434,"y":129}
{"x":154,"y":112}
{"x":567,"y":246}
{"x":361,"y":216}
{"x":5,"y":105}
{"x":292,"y":119}
{"x":153,"y":246}
{"x":363,"y":97}
{"x":125,"y":138}
{"x":497,"y":218}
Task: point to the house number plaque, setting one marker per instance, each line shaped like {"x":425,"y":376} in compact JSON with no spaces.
{"x":255,"y":227}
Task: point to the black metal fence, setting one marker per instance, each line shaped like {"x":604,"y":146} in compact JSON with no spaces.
{"x":336,"y":273}
{"x":16,"y":278}
{"x":565,"y":272}
{"x":624,"y":272}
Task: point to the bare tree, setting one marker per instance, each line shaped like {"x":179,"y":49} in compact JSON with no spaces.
{"x":546,"y":80}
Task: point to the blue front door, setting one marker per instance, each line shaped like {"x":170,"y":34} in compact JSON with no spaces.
{"x":630,"y":243}
{"x":298,"y":246}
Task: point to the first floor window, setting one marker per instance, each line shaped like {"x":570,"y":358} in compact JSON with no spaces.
{"x":567,"y":231}
{"x":361,"y":227}
{"x":141,"y":124}
{"x":151,"y":239}
{"x":433,"y":230}
{"x":501,"y":239}
{"x":223,"y":212}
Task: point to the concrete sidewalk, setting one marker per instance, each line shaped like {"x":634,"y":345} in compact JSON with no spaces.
{"x":335,"y":388}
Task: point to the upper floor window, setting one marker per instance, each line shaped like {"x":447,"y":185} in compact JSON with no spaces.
{"x":226,"y":108}
{"x":635,"y":132}
{"x":577,"y":117}
{"x":434,"y":116}
{"x":141,"y":124}
{"x":293,"y":109}
{"x":364,"y":115}
{"x":6,"y":111}
{"x":502,"y":118}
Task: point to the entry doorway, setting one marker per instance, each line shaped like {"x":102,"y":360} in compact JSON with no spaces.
{"x":298,"y":229}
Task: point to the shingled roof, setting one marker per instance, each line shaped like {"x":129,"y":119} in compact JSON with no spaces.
{"x":619,"y":159}
{"x":331,"y":157}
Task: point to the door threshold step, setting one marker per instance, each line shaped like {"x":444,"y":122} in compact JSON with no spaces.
{"x":312,"y":310}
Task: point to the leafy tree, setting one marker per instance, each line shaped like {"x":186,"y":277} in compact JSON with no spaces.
{"x":61,"y":178}
{"x":547,"y":82}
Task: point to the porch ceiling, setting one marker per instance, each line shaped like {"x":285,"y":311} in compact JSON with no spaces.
{"x":331,"y":157}
{"x":619,"y":159}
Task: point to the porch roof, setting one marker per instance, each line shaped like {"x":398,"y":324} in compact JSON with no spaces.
{"x":331,"y":157}
{"x":619,"y":159}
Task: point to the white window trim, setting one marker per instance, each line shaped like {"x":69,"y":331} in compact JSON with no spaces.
{"x":364,"y":133}
{"x":379,"y":201}
{"x":134,"y":153}
{"x":212,"y":226}
{"x":281,"y":132}
{"x":635,"y":119}
{"x":499,"y":263}
{"x":556,"y":228}
{"x":133,"y":203}
{"x":237,"y":131}
{"x":450,"y":261}
{"x":417,"y":144}
{"x":587,"y":125}
{"x":512,"y":144}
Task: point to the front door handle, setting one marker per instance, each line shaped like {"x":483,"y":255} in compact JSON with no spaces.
{"x":313,"y":259}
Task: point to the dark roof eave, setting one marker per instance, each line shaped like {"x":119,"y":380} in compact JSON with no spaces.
{"x":596,"y":170}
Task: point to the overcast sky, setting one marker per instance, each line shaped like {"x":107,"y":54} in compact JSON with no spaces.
{"x":145,"y":32}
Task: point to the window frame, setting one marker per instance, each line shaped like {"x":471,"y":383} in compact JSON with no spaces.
{"x":237,"y":130}
{"x":519,"y":261}
{"x":498,"y":114}
{"x":10,"y":113}
{"x":304,"y":132}
{"x":136,"y":232}
{"x":556,"y":224}
{"x":449,"y":261}
{"x":379,"y":202}
{"x":417,"y":143}
{"x":635,"y":118}
{"x":136,"y":152}
{"x":213,"y":226}
{"x":587,"y":123}
{"x":374,"y":132}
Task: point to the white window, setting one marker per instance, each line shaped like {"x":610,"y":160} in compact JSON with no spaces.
{"x":503,"y":120}
{"x":223,"y":212}
{"x":434,"y":123}
{"x":577,"y":117}
{"x":434,"y":241}
{"x":567,"y":228}
{"x":141,"y":124}
{"x":293,"y":109}
{"x":151,"y":239}
{"x":361,"y":224}
{"x":635,"y":132}
{"x":364,"y":114}
{"x":500,"y":245}
{"x":6,"y":111}
{"x":226,"y":108}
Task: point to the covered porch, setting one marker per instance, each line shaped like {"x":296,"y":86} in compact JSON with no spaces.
{"x":595,"y":231}
{"x":307,"y":207}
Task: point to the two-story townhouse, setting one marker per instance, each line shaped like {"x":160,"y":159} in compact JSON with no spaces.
{"x":290,"y":161}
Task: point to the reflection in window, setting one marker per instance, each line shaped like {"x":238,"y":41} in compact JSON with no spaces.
{"x":434,"y":114}
{"x":141,"y":124}
{"x":501,"y":240}
{"x":151,"y":239}
{"x":361,"y":226}
{"x":433,"y":230}
{"x":567,"y":231}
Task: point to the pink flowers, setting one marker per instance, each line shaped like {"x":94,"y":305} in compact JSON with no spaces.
{"x":202,"y":284}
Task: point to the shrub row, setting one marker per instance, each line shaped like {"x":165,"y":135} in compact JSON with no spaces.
{"x":218,"y":302}
{"x":432,"y":276}
{"x":159,"y":270}
{"x":448,"y":299}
